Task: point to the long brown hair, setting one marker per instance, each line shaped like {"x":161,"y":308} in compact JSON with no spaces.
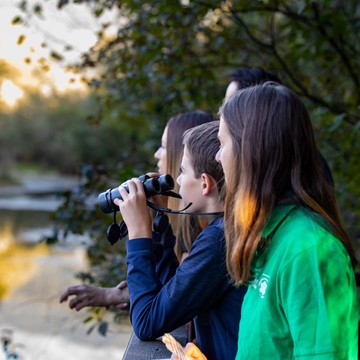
{"x":186,"y":228}
{"x":274,"y":157}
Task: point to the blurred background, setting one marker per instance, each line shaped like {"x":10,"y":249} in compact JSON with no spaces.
{"x":86,"y":87}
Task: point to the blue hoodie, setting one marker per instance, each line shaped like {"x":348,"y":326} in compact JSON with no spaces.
{"x":165,"y":296}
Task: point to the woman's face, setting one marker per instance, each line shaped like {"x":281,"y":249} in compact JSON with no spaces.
{"x":225,"y":154}
{"x":160,"y":153}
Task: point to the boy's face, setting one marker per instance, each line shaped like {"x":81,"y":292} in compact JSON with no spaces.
{"x":190,"y":186}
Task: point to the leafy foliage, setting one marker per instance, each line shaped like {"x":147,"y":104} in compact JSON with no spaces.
{"x":63,"y":137}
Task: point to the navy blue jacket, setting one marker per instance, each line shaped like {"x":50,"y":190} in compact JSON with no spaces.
{"x":164,"y":295}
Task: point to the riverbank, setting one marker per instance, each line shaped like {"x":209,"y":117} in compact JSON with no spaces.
{"x":42,"y":328}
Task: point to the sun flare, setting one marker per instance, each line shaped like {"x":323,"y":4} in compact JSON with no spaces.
{"x":10,"y":93}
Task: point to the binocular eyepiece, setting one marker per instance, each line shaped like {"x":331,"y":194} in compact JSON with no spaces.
{"x":152,"y":186}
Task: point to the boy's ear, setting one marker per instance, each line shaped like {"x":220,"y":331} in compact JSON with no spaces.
{"x":208,"y":184}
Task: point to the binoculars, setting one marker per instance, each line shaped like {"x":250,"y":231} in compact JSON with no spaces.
{"x":152,"y":186}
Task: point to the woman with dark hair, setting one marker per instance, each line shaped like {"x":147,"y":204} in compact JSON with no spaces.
{"x":284,"y":236}
{"x":243,"y":77}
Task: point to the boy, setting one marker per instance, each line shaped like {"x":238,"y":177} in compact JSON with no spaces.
{"x":200,"y":287}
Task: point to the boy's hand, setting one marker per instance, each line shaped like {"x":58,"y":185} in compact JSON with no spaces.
{"x":134,"y":210}
{"x":192,"y":352}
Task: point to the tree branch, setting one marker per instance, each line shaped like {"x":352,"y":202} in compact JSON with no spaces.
{"x":336,"y":109}
{"x":339,"y":50}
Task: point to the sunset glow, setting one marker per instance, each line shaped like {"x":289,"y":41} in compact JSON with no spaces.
{"x":25,"y":50}
{"x":10,"y":94}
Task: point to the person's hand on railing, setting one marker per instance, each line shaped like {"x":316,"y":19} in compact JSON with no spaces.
{"x":88,"y":295}
{"x":192,"y":352}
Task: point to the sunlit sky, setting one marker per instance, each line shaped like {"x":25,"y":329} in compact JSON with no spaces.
{"x":73,"y":25}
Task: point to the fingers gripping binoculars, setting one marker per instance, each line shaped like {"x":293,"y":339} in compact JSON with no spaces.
{"x":161,"y":185}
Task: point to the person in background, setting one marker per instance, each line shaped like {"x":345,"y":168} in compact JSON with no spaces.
{"x":284,"y":236}
{"x":200,"y":287}
{"x":244,"y":77}
{"x":169,"y":157}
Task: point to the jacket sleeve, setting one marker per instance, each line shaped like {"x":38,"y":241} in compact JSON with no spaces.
{"x":198,"y":282}
{"x":168,"y":263}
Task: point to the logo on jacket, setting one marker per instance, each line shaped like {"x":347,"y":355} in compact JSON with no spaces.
{"x":263,"y":283}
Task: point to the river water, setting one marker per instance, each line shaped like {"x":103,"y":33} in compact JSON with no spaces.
{"x":33,"y":276}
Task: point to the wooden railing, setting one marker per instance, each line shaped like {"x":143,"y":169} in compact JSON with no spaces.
{"x":138,"y":350}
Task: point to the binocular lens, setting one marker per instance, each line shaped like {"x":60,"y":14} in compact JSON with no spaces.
{"x":152,"y":186}
{"x":166,"y":182}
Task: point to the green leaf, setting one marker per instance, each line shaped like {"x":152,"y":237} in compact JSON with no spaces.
{"x":337,"y":122}
{"x":21,"y":39}
{"x":88,"y":319}
{"x":56,"y":56}
{"x":38,"y":9}
{"x":62,"y":3}
{"x":17,"y":20}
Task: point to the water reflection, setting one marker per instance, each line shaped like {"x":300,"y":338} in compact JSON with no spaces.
{"x":21,"y":235}
{"x":32,"y":277}
{"x":16,"y":255}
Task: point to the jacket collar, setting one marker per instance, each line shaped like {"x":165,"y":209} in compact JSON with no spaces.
{"x":278,"y":215}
